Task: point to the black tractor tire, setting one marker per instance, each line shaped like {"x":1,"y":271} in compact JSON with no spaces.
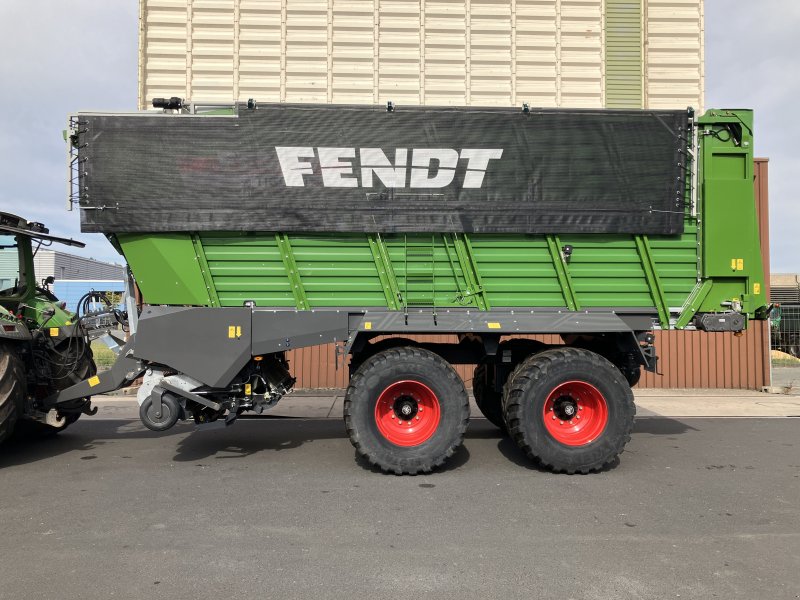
{"x":489,"y":399}
{"x":406,"y":410}
{"x":85,"y":369}
{"x":547,"y":396}
{"x":63,"y":377}
{"x":70,"y":374}
{"x":12,"y":389}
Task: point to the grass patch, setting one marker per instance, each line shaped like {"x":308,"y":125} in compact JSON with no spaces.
{"x":103,"y":356}
{"x":784,"y":363}
{"x":783,"y":359}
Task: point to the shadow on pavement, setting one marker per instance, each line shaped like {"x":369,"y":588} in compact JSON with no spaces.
{"x":513,"y":453}
{"x":660,"y":426}
{"x":85,"y":435}
{"x":459,"y":459}
{"x":250,"y":436}
{"x":481,"y":429}
{"x":275,"y":435}
{"x":645,"y":425}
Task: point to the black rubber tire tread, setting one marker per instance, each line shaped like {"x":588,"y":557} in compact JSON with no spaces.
{"x":527,"y":389}
{"x":489,"y":400}
{"x":86,"y":367}
{"x":12,"y":389}
{"x":385,"y":368}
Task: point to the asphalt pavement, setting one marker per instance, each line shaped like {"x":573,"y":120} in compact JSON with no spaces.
{"x":281,"y":508}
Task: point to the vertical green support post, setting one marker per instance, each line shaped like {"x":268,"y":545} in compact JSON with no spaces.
{"x":385,"y":271}
{"x":466,"y":295}
{"x":554,"y":245}
{"x":470,"y":268}
{"x":653,"y":282}
{"x":200,"y":254}
{"x":285,"y":248}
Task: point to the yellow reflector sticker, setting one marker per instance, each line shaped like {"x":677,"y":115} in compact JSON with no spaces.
{"x":756,"y":288}
{"x":238,"y":331}
{"x":368,"y":325}
{"x":248,"y":389}
{"x":494,"y":325}
{"x":93,"y":381}
{"x":54,"y":332}
{"x":733,"y":264}
{"x":740,"y":264}
{"x":231,"y":331}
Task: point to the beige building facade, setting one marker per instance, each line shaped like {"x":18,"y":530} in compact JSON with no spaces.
{"x":547,"y":53}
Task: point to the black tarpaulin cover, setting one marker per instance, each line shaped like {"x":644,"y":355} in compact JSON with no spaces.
{"x":335,"y":168}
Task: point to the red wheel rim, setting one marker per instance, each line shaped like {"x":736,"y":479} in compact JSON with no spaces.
{"x":575,"y":413}
{"x":407,"y":413}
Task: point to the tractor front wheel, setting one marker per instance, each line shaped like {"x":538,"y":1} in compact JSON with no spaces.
{"x":12,"y":389}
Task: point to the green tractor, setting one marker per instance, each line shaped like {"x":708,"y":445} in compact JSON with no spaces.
{"x":43,"y":347}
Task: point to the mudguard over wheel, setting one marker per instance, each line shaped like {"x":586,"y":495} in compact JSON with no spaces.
{"x":406,"y":410}
{"x":375,"y":347}
{"x":12,"y":390}
{"x":570,"y":410}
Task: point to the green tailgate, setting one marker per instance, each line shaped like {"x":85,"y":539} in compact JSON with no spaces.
{"x":713,"y":265}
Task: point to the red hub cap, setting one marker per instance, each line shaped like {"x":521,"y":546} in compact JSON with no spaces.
{"x":575,"y":413}
{"x":407,"y":413}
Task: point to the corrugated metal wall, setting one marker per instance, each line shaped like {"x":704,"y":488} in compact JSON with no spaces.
{"x":448,"y":52}
{"x":688,"y":359}
{"x":48,"y":263}
{"x":674,"y":63}
{"x":9,"y":267}
{"x":69,"y":266}
{"x":624,"y":48}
